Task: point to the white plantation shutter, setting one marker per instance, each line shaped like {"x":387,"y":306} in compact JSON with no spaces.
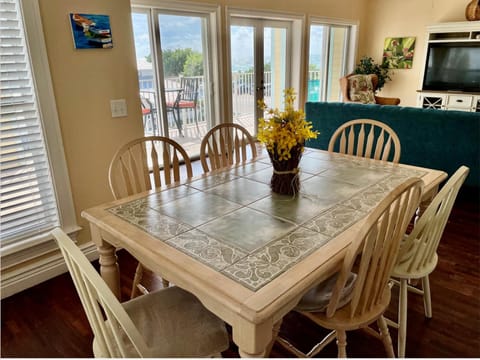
{"x":28,"y":205}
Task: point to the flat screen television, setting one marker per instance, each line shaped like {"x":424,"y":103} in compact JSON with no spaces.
{"x":452,"y":67}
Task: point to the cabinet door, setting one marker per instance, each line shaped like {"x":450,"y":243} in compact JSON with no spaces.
{"x":432,"y":101}
{"x":461,"y":102}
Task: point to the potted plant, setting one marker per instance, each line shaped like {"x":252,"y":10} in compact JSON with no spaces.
{"x":368,"y":66}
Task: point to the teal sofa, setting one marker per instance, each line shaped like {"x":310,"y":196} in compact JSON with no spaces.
{"x":436,"y":139}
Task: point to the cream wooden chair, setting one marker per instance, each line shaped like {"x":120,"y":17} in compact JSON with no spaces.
{"x":167,"y":323}
{"x":145,"y":164}
{"x":226,"y":144}
{"x":366,"y":138}
{"x":351,"y":301}
{"x":418,"y":252}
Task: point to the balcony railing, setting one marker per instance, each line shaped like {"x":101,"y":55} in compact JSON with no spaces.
{"x":243,"y":91}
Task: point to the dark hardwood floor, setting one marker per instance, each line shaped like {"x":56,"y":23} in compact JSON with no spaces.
{"x":48,"y":320}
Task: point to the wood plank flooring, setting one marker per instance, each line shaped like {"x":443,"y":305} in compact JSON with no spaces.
{"x":48,"y":320}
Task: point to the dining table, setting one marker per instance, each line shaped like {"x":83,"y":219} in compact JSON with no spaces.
{"x":246,"y":253}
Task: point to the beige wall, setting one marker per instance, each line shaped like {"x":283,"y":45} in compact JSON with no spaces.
{"x":393,"y":18}
{"x":86,"y":80}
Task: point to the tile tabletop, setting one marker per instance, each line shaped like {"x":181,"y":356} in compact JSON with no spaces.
{"x":233,"y":223}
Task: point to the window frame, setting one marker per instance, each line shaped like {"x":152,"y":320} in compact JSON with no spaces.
{"x":350,"y":48}
{"x":34,"y":246}
{"x":212,"y":13}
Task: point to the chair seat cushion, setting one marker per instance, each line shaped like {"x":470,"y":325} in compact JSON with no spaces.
{"x":361,"y":89}
{"x":174,"y":323}
{"x":186,"y":104}
{"x":317,"y":298}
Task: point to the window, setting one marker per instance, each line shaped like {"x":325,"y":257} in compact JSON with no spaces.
{"x":331,"y":56}
{"x":35,"y":193}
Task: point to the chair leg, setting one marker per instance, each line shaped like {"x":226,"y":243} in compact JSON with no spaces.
{"x":402,"y":318}
{"x":196,"y":119}
{"x":178,"y":120}
{"x":387,"y":340}
{"x":427,"y":299}
{"x":342,"y":343}
{"x":136,"y":280}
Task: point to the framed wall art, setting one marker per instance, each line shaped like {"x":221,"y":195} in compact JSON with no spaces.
{"x":398,"y":52}
{"x":91,"y":31}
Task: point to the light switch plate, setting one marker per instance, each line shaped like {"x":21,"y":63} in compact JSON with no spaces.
{"x":118,"y":107}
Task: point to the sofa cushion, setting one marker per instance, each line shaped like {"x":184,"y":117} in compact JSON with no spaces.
{"x":361,"y":89}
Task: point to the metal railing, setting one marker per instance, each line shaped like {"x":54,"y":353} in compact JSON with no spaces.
{"x":243,"y":91}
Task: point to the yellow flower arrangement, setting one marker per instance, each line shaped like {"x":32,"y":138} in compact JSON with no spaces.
{"x":284,"y":130}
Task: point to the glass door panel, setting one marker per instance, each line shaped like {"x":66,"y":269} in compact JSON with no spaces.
{"x":337,"y":61}
{"x":146,"y":74}
{"x":172,"y":61}
{"x":259,"y":61}
{"x":327,"y":61}
{"x":275,"y":66}
{"x":242,"y":53}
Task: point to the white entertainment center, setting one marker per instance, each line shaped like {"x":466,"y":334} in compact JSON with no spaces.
{"x":449,"y":34}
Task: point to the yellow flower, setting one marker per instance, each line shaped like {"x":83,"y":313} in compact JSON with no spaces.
{"x":283,"y":130}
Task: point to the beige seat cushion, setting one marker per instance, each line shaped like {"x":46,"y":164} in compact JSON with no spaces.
{"x":174,"y":323}
{"x":361,"y":89}
{"x":317,"y":298}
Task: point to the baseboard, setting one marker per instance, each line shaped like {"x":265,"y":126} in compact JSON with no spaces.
{"x":40,"y":271}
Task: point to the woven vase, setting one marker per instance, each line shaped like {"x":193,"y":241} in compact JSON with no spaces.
{"x":472,"y":12}
{"x":285,"y":178}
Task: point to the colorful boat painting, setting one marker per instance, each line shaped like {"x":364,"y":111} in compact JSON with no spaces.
{"x":82,"y":22}
{"x":91,"y":31}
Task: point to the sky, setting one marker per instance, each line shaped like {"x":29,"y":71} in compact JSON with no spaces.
{"x":185,"y":32}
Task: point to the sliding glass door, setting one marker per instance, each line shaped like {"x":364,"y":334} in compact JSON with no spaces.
{"x":173,"y":69}
{"x":259,"y":53}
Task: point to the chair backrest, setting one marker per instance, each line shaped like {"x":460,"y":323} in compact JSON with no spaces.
{"x":225,"y":145}
{"x":190,"y":89}
{"x":377,"y":247}
{"x":147,"y":163}
{"x":115,"y":333}
{"x":418,"y":251}
{"x":366,"y":138}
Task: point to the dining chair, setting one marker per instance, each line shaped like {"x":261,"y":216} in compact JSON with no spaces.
{"x":187,"y":98}
{"x":362,"y":88}
{"x":350,"y":301}
{"x":418,"y":252}
{"x":149,"y":115}
{"x":145,"y":164}
{"x":167,"y":323}
{"x":226,"y":144}
{"x":366,"y":138}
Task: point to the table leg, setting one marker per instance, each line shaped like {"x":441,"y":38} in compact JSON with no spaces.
{"x":253,"y":340}
{"x":108,"y":262}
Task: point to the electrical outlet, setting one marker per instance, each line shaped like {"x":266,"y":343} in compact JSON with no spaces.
{"x":118,"y":108}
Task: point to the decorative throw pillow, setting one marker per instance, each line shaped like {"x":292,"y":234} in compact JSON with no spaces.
{"x":361,"y":89}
